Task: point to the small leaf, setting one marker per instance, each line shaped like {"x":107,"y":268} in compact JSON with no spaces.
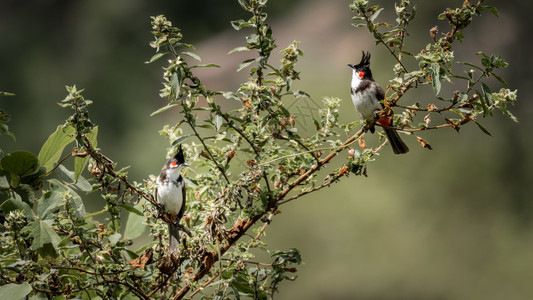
{"x":218,"y":122}
{"x":487,"y":93}
{"x":193,"y":55}
{"x":285,"y":112}
{"x":375,"y":14}
{"x":206,"y":66}
{"x":483,"y":129}
{"x":471,"y":65}
{"x":301,"y":94}
{"x":245,"y":63}
{"x":53,"y":147}
{"x":162,"y":109}
{"x":6,"y":94}
{"x":156,"y":57}
{"x":492,"y":10}
{"x":175,"y":84}
{"x":435,"y":78}
{"x":500,"y":79}
{"x":114,"y":238}
{"x":482,"y":101}
{"x":15,"y":291}
{"x":231,"y":95}
{"x":180,"y":139}
{"x":238,"y":24}
{"x":239,"y":49}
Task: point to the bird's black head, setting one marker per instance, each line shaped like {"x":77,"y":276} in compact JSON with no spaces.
{"x":362,"y":69}
{"x":178,"y":159}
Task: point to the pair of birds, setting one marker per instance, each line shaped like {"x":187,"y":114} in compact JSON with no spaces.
{"x":366,"y":96}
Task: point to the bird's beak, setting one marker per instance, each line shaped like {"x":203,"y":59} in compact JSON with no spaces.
{"x":184,"y":165}
{"x":351,"y":66}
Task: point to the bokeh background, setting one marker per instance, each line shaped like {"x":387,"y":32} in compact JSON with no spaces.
{"x":451,"y":223}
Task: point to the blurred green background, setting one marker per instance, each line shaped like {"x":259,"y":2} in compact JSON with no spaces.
{"x":452,"y":223}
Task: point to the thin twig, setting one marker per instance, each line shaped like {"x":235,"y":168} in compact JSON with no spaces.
{"x":204,"y":285}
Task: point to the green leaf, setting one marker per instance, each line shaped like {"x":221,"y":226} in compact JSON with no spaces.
{"x":4,"y":179}
{"x":375,"y":15}
{"x":42,"y":234}
{"x":487,"y":93}
{"x":135,"y":226}
{"x":482,"y":101}
{"x":301,"y":94}
{"x":239,"y":49}
{"x":17,"y":204}
{"x":6,"y":94}
{"x":53,"y":147}
{"x":76,"y":203}
{"x":19,"y":164}
{"x":285,"y":112}
{"x":218,"y":122}
{"x":81,"y":162}
{"x":500,"y":79}
{"x":483,"y":129}
{"x":180,"y":139}
{"x":435,"y":78}
{"x":26,"y":193}
{"x":243,"y":4}
{"x":114,"y":238}
{"x":49,"y":202}
{"x":156,"y":57}
{"x":193,"y":55}
{"x":206,"y":66}
{"x":175,"y":84}
{"x":238,"y":24}
{"x":131,"y":209}
{"x":245,"y":64}
{"x":69,"y":178}
{"x":459,"y":35}
{"x":492,"y":10}
{"x":15,"y":291}
{"x":162,"y":109}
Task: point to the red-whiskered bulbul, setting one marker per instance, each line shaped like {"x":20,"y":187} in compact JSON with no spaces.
{"x":170,"y":193}
{"x":366,"y":94}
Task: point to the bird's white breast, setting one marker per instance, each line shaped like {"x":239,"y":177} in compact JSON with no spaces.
{"x":365,"y":102}
{"x":171,"y":196}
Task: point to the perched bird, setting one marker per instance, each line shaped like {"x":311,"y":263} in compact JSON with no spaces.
{"x":170,"y":193}
{"x":366,"y":94}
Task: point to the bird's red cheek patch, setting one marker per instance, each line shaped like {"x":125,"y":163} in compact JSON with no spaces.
{"x":360,"y":74}
{"x":174,"y":164}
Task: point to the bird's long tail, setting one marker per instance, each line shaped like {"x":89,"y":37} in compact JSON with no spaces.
{"x":398,"y":146}
{"x":174,"y":237}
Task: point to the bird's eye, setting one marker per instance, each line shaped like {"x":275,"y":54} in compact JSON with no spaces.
{"x":174,"y":164}
{"x":361,"y":74}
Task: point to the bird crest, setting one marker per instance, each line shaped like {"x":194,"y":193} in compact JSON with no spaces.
{"x":179,"y":157}
{"x":365,"y":60}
